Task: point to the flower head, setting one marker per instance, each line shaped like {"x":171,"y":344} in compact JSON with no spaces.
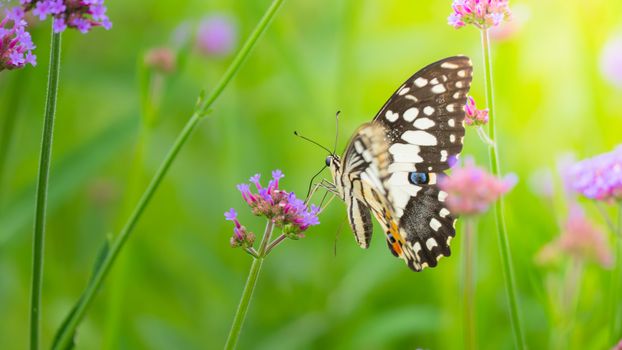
{"x":471,"y":189}
{"x":241,"y":237}
{"x":481,"y":13}
{"x":611,"y":61}
{"x":618,"y":346}
{"x":579,"y":239}
{"x":79,"y":14}
{"x":283,"y":208}
{"x":217,"y":35}
{"x":599,"y":177}
{"x":162,"y":59}
{"x":15,"y":42}
{"x":475,"y":116}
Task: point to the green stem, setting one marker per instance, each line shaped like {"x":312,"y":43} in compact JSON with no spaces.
{"x":504,"y":245}
{"x":276,"y":242}
{"x":468,"y":286}
{"x":66,"y":333}
{"x":42,"y":191}
{"x":247,"y":294}
{"x":615,"y":330}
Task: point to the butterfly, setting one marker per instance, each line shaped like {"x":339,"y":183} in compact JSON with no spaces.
{"x":391,"y":165}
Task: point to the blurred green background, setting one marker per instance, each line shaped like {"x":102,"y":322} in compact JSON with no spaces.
{"x":178,"y":282}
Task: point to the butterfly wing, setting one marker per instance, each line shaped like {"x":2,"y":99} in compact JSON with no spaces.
{"x":359,"y":218}
{"x":424,"y":117}
{"x":361,"y":178}
{"x":424,"y":122}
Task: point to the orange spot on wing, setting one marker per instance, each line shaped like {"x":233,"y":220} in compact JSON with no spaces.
{"x":397,"y":247}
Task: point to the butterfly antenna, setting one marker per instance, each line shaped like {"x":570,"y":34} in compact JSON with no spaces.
{"x":336,"y":131}
{"x":313,"y":178}
{"x":313,"y":142}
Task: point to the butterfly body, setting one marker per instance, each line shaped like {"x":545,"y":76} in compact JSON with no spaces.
{"x":391,"y":165}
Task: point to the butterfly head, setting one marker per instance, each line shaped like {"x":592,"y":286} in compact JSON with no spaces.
{"x":334,"y":163}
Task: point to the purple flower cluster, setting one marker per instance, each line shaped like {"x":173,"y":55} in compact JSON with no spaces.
{"x":80,"y":14}
{"x":475,"y":116}
{"x":598,"y":178}
{"x":471,"y":189}
{"x":480,"y":13}
{"x":15,"y":42}
{"x":286,"y":211}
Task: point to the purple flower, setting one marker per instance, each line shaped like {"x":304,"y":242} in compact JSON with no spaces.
{"x":471,"y":189}
{"x":611,"y":61}
{"x":481,"y":13}
{"x":15,"y":42}
{"x":276,"y":176}
{"x":59,"y":25}
{"x":598,"y":178}
{"x":231,"y":215}
{"x":241,"y":237}
{"x":255,"y":180}
{"x":41,"y":10}
{"x":245,"y":189}
{"x":287,"y":211}
{"x":217,"y":35}
{"x":79,"y":14}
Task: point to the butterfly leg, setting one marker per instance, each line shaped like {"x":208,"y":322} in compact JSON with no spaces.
{"x":325,"y":184}
{"x":328,"y":186}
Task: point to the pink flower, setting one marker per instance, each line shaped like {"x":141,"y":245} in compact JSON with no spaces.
{"x":481,"y":13}
{"x":611,"y":61}
{"x":618,"y":346}
{"x":599,"y":177}
{"x":161,"y":59}
{"x":471,"y":189}
{"x":475,"y":116}
{"x":579,"y":239}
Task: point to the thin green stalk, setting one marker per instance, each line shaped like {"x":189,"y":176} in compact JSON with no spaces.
{"x":615,"y":330}
{"x":42,"y":191}
{"x":504,"y":245}
{"x":66,"y":332}
{"x":468,"y":286}
{"x":247,"y":294}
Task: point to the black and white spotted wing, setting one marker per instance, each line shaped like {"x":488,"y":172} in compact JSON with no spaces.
{"x":424,"y":117}
{"x":424,"y":123}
